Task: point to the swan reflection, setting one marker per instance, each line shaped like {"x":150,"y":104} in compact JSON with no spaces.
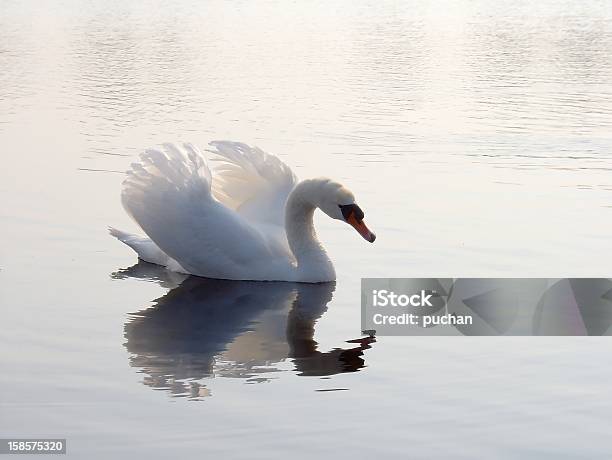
{"x":204,"y":328}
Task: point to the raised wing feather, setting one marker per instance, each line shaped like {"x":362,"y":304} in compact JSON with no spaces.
{"x":168,"y":193}
{"x":254,"y":183}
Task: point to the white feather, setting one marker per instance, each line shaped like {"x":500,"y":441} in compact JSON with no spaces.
{"x":252,"y":182}
{"x":168,"y":193}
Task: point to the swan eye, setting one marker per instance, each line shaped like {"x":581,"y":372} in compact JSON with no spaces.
{"x":348,"y":209}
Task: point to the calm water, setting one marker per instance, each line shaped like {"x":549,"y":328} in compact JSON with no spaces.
{"x":477,"y":137}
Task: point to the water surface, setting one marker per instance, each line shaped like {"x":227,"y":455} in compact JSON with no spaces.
{"x":477,"y":137}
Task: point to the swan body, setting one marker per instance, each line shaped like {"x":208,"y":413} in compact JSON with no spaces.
{"x":252,"y":221}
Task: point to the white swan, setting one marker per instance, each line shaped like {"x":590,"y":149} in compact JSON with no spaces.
{"x":254,"y":221}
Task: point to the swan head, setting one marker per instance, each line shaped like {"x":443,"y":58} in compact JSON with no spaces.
{"x":338,"y":202}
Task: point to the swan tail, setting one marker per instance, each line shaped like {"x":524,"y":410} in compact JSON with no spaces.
{"x":122,"y":236}
{"x":146,"y":249}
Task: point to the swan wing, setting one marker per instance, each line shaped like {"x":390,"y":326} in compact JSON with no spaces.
{"x":168,"y":193}
{"x":254,"y":183}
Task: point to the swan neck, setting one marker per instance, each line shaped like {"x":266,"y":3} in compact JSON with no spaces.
{"x":312,"y":260}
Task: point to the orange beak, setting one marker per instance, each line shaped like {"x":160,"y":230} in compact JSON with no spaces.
{"x":360,"y":226}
